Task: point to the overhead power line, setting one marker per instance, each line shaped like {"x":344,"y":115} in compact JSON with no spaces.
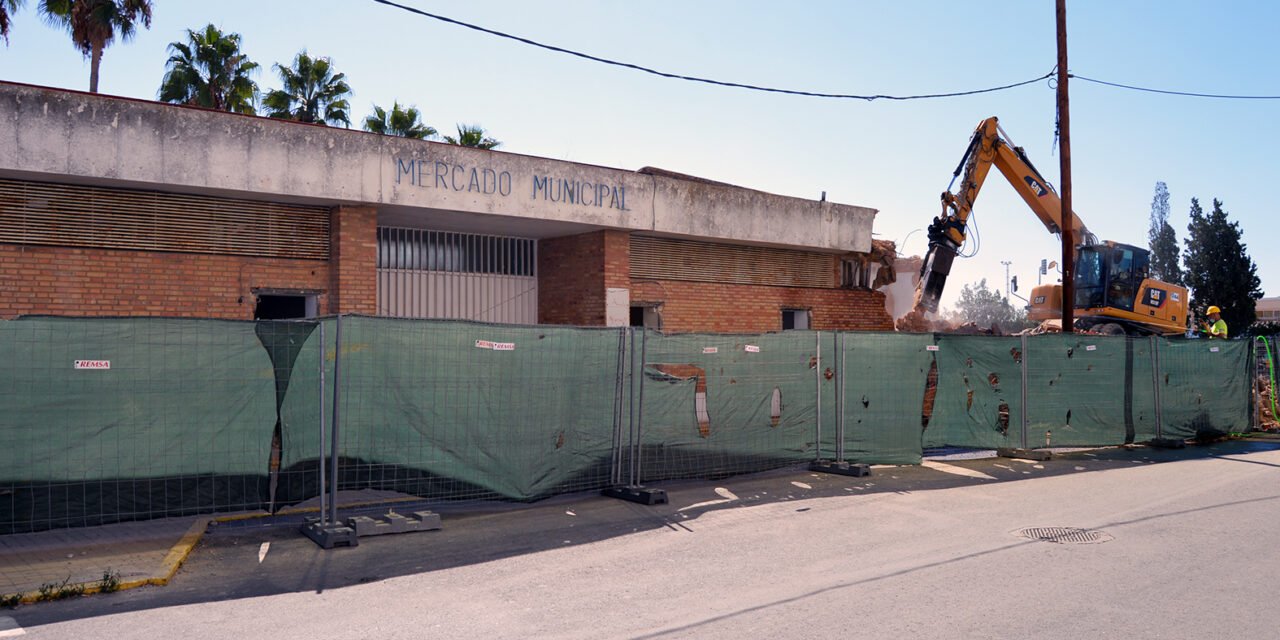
{"x":636,"y":67}
{"x":794,"y":92}
{"x":1173,"y":93}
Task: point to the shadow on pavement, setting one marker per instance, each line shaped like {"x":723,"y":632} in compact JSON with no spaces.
{"x":228,"y":563}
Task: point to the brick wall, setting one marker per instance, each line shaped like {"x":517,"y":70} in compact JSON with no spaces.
{"x":733,"y":308}
{"x":109,"y":282}
{"x":573,"y":273}
{"x":101,"y":282}
{"x":354,"y":260}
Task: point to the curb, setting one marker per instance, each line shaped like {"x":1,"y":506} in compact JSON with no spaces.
{"x":178,"y":553}
{"x":168,"y":566}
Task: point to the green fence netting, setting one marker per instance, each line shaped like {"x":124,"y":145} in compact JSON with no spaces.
{"x":885,"y":379}
{"x":110,"y":419}
{"x":168,"y":417}
{"x":1089,"y":390}
{"x":1205,"y":387}
{"x":978,"y":402}
{"x":456,"y":410}
{"x":720,"y":404}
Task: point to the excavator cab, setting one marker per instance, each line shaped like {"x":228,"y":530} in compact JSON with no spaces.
{"x":1109,"y":275}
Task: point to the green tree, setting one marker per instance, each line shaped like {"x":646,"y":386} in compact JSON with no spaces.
{"x":94,"y":25}
{"x":1162,"y":240}
{"x":310,"y":92}
{"x":7,"y":7}
{"x":1218,"y":269}
{"x":986,"y":308}
{"x":209,"y":70}
{"x":472,"y":135}
{"x":406,"y":122}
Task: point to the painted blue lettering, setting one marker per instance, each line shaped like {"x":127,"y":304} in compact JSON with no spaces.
{"x":586,"y":190}
{"x":454,"y":176}
{"x":489,"y":181}
{"x":407,"y":170}
{"x":504,"y":178}
{"x":442,"y":168}
{"x":539,"y":184}
{"x":622,"y":202}
{"x":570,"y":191}
{"x":474,"y":185}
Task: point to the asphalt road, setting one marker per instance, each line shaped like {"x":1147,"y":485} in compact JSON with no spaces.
{"x":908,"y":552}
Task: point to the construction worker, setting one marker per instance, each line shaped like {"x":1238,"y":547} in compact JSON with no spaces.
{"x":1216,"y":327}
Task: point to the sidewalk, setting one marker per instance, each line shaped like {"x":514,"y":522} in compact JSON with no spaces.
{"x":110,"y":557}
{"x":71,"y":562}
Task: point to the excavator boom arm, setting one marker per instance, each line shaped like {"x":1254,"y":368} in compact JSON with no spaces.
{"x":988,"y":147}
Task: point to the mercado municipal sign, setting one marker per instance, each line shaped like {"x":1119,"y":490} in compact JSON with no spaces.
{"x":454,"y":176}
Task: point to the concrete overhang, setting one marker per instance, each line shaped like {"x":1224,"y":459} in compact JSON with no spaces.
{"x":57,"y":135}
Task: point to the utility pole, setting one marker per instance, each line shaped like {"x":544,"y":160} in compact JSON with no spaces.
{"x":1064,"y":164}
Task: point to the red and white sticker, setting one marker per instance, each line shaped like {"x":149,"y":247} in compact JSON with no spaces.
{"x":496,"y":346}
{"x":93,"y":364}
{"x":1091,"y":347}
{"x":751,"y":348}
{"x":711,"y":350}
{"x":931,"y":347}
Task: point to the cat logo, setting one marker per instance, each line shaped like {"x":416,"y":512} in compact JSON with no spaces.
{"x":1154,"y":297}
{"x":1036,"y":186}
{"x":1039,"y":300}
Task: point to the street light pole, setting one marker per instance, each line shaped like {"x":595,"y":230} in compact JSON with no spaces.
{"x":1006,"y":264}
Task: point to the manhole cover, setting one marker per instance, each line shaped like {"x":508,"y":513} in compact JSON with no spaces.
{"x":1064,"y":535}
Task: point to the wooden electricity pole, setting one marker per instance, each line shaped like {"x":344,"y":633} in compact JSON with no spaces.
{"x":1064,"y":164}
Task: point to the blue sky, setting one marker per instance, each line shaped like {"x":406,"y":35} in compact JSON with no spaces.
{"x":893,"y":156}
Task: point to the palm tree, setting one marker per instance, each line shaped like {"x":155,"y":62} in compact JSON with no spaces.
{"x":210,"y":71}
{"x":400,"y":122}
{"x":94,"y":24}
{"x":472,"y":135}
{"x":310,"y":92}
{"x":6,"y":7}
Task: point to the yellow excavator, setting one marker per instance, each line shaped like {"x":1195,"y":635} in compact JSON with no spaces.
{"x":1114,"y":293}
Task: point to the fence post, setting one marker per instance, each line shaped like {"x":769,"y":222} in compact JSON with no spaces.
{"x":615,"y":466}
{"x":324,"y":517}
{"x":1155,"y":385}
{"x":326,"y":531}
{"x":1026,"y":422}
{"x":333,"y":431}
{"x":817,"y":380}
{"x":840,"y":399}
{"x":634,"y":491}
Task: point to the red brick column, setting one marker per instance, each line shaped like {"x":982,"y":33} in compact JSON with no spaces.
{"x":353,"y":260}
{"x":574,"y":271}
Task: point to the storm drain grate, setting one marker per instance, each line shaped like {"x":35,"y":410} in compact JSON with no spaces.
{"x":1064,"y":535}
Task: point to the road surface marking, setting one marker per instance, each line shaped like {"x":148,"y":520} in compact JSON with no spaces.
{"x":801,"y":485}
{"x":262,"y":551}
{"x":9,"y":628}
{"x":959,"y":471}
{"x":725,"y":493}
{"x":720,"y":491}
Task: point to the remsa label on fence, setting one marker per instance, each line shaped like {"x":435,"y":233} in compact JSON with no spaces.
{"x":1091,"y":347}
{"x":711,"y":350}
{"x":496,"y":346}
{"x":1213,"y":349}
{"x":931,"y":347}
{"x":751,"y":348}
{"x":100,"y":364}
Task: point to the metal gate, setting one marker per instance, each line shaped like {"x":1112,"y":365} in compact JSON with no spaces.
{"x":442,"y":274}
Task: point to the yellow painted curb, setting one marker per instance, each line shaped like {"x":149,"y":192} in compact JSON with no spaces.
{"x":179,"y":552}
{"x":168,"y":566}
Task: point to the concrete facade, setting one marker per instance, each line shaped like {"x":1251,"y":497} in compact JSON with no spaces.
{"x":581,"y":215}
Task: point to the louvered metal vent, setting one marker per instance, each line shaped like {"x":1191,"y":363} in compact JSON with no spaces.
{"x":80,"y":216}
{"x":670,"y":259}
